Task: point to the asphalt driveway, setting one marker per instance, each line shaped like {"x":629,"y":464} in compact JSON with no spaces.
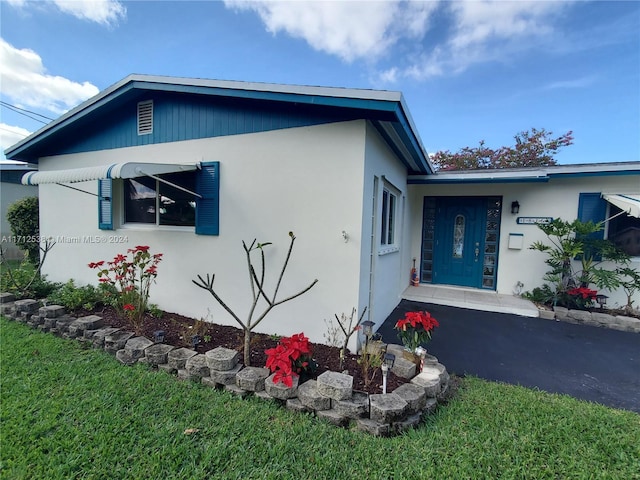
{"x":590,"y":363}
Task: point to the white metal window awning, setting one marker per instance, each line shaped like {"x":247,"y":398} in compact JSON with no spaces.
{"x":115,"y":170}
{"x":630,"y":204}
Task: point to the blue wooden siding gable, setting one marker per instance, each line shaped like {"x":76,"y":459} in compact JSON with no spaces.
{"x":185,"y":117}
{"x":187,"y":109}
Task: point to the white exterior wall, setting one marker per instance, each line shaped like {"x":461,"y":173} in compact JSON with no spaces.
{"x":558,"y":199}
{"x":390,"y":270}
{"x":307,"y":180}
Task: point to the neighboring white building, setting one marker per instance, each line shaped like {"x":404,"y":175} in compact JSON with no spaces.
{"x":343,"y":169}
{"x":11,"y":190}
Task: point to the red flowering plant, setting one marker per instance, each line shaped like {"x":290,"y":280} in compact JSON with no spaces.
{"x":415,"y":329}
{"x":290,"y":358}
{"x":582,"y":297}
{"x":129,"y":278}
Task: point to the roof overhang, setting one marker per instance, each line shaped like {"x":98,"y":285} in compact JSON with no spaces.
{"x":375,"y":105}
{"x":526,"y":175}
{"x":115,"y":170}
{"x":630,"y":204}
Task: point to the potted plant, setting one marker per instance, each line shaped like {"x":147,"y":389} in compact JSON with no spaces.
{"x":415,"y":330}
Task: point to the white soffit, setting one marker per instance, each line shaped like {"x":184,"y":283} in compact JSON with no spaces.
{"x":115,"y":170}
{"x":627,"y":203}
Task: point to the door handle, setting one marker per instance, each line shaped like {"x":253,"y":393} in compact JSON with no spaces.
{"x":477,"y":251}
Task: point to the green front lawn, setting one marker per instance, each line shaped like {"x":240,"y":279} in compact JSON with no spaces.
{"x":69,"y":412}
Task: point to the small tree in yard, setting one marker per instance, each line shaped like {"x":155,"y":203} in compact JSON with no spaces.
{"x":533,"y":148}
{"x":574,"y":240}
{"x":23,"y":217}
{"x":339,"y":336}
{"x":257,"y":291}
{"x":630,"y":282}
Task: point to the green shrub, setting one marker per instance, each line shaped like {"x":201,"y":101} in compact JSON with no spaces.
{"x":543,"y":295}
{"x":74,"y":298}
{"x":23,"y":216}
{"x":24,"y":282}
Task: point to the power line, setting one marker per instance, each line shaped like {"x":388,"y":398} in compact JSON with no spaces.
{"x":14,"y":132}
{"x":22,"y":111}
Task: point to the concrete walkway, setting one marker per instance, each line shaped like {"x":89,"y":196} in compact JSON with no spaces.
{"x":471,"y":298}
{"x":585,"y":362}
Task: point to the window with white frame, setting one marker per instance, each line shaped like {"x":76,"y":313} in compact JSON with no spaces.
{"x":182,"y":199}
{"x":150,"y":201}
{"x":620,"y":228}
{"x":389,"y":218}
{"x":623,"y":230}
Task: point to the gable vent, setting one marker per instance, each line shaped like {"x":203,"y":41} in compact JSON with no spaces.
{"x":145,"y":117}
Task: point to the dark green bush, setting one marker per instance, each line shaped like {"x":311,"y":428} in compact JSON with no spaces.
{"x":23,"y":217}
{"x":24,"y":282}
{"x":543,"y":295}
{"x":74,"y":298}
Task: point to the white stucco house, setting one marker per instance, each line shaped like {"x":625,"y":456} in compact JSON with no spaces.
{"x":344,"y":169}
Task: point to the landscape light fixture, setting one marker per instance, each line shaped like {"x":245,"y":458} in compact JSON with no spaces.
{"x":601,"y":299}
{"x":158,"y":336}
{"x":195,"y":340}
{"x":422,"y":353}
{"x":387,"y":363}
{"x":367,"y":328}
{"x":515,"y":207}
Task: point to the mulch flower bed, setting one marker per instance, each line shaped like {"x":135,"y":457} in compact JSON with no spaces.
{"x":179,"y":331}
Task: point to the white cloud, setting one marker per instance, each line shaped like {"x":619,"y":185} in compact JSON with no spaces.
{"x":469,"y":32}
{"x":10,"y":135}
{"x":27,"y":84}
{"x":348,"y":29}
{"x":487,"y":31}
{"x":581,"y":82}
{"x":481,"y":22}
{"x":104,"y":12}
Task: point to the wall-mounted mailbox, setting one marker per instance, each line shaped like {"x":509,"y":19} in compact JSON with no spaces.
{"x":516,"y":241}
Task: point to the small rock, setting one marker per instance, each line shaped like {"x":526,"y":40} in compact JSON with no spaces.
{"x":252,"y":378}
{"x":116,"y":341}
{"x":228,"y":377}
{"x":310,"y":397}
{"x":373,"y":427}
{"x":297,"y":406}
{"x":414,"y":395}
{"x":157,"y":354}
{"x":333,"y":417}
{"x":222,"y":359}
{"x":355,"y":407}
{"x":334,"y":385}
{"x":197,"y":366}
{"x":280,"y":390}
{"x":385,"y":408}
{"x":178,"y":358}
{"x":408,"y":423}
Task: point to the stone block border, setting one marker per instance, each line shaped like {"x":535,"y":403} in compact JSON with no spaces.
{"x":594,"y":319}
{"x":330,"y":397}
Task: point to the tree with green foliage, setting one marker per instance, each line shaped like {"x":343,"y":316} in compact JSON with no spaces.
{"x":575,"y":241}
{"x":630,"y":282}
{"x":534,"y":148}
{"x":23,"y":217}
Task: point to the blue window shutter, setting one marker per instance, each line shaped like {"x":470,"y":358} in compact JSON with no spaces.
{"x":105,"y":204}
{"x":592,"y":207}
{"x":208,"y":207}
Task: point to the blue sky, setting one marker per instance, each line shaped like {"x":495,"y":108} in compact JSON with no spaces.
{"x":469,"y":71}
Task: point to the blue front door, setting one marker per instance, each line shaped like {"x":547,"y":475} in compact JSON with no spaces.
{"x":459,"y":243}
